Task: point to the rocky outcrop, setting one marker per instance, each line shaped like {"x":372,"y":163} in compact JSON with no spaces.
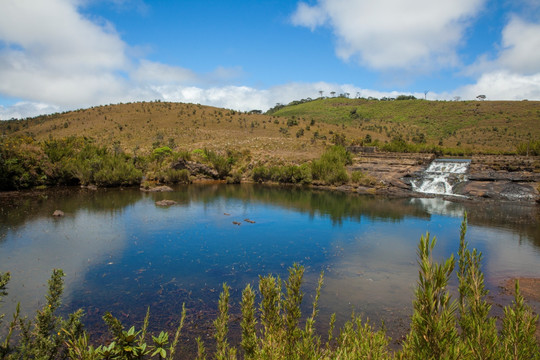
{"x":514,"y":178}
{"x":195,"y":169}
{"x":503,"y":178}
{"x":162,"y":188}
{"x":58,"y":213}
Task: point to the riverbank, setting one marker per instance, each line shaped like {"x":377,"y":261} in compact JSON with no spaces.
{"x":495,"y":177}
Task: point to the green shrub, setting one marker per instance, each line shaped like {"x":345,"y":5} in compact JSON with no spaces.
{"x":174,"y":176}
{"x":221,"y":164}
{"x":160,"y":153}
{"x":235,"y":178}
{"x":260,"y":174}
{"x":330,"y":168}
{"x":529,"y":148}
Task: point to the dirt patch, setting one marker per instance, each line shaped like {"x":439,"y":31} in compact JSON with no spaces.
{"x":530,"y":289}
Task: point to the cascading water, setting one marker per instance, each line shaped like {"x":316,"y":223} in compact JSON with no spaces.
{"x":441,"y":176}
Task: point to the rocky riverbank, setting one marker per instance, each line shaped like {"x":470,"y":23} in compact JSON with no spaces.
{"x":514,"y":178}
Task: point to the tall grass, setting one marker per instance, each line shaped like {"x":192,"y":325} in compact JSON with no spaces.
{"x":328,"y":169}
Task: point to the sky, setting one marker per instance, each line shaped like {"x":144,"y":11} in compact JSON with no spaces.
{"x":59,"y":55}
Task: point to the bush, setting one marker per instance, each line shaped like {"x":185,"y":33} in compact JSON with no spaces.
{"x":529,"y":148}
{"x":95,"y":165}
{"x":330,"y":168}
{"x":358,"y":177}
{"x":260,"y":174}
{"x":221,"y":164}
{"x":173,"y":176}
{"x":287,"y":174}
{"x":235,"y":178}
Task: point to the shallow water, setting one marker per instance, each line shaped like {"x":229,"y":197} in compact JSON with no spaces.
{"x":122,"y":253}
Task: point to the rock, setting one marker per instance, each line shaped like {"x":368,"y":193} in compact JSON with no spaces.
{"x":166,"y":203}
{"x":195,"y":168}
{"x":162,"y":188}
{"x":89,"y":187}
{"x":58,"y":213}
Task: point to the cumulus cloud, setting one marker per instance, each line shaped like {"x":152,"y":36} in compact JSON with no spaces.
{"x":53,"y":54}
{"x":154,"y":72}
{"x":393,"y":34}
{"x":24,"y":109}
{"x":503,"y":85}
{"x":521,"y":41}
{"x":514,"y":73}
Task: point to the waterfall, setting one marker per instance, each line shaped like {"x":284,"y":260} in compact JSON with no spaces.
{"x":441,"y":176}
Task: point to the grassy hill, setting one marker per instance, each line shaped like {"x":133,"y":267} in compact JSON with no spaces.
{"x":299,"y":131}
{"x":137,"y":128}
{"x":490,"y":126}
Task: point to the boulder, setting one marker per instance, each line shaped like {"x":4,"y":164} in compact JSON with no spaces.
{"x":195,"y":169}
{"x":58,"y":213}
{"x":166,"y":202}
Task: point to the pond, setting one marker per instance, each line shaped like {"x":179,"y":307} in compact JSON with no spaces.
{"x":123,"y":253}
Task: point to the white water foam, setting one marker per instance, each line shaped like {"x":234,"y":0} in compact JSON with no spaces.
{"x":441,"y":176}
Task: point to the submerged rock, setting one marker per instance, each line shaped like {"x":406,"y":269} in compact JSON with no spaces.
{"x":58,"y":213}
{"x":166,"y":203}
{"x":162,"y":188}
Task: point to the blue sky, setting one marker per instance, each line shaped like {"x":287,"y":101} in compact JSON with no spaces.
{"x":58,"y":55}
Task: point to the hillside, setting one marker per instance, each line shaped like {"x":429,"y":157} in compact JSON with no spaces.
{"x":137,"y":128}
{"x":295,"y":132}
{"x":479,"y":125}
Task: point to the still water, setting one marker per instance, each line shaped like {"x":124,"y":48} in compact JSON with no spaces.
{"x":122,"y":253}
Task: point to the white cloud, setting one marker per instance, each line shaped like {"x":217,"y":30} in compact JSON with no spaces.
{"x":503,"y":85}
{"x":53,"y":54}
{"x":514,"y":74}
{"x":415,"y":35}
{"x":24,"y":109}
{"x":309,"y":16}
{"x":154,"y":72}
{"x":521,"y":41}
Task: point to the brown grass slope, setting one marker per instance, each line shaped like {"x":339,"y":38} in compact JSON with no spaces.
{"x":296,"y":132}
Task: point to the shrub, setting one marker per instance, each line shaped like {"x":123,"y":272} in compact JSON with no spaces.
{"x":235,"y":178}
{"x":330,"y":168}
{"x":358,"y":177}
{"x":260,"y":174}
{"x":529,"y":148}
{"x":160,"y":153}
{"x":174,"y":176}
{"x":221,"y":164}
{"x":94,"y":165}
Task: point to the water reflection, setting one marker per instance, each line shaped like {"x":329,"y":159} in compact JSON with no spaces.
{"x":123,"y":253}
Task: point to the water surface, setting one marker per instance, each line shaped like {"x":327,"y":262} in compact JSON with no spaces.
{"x":122,"y":253}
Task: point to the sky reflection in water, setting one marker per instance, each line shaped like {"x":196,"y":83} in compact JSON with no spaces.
{"x":123,"y":253}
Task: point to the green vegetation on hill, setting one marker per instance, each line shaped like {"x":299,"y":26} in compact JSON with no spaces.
{"x":440,"y":328}
{"x":478,"y":125}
